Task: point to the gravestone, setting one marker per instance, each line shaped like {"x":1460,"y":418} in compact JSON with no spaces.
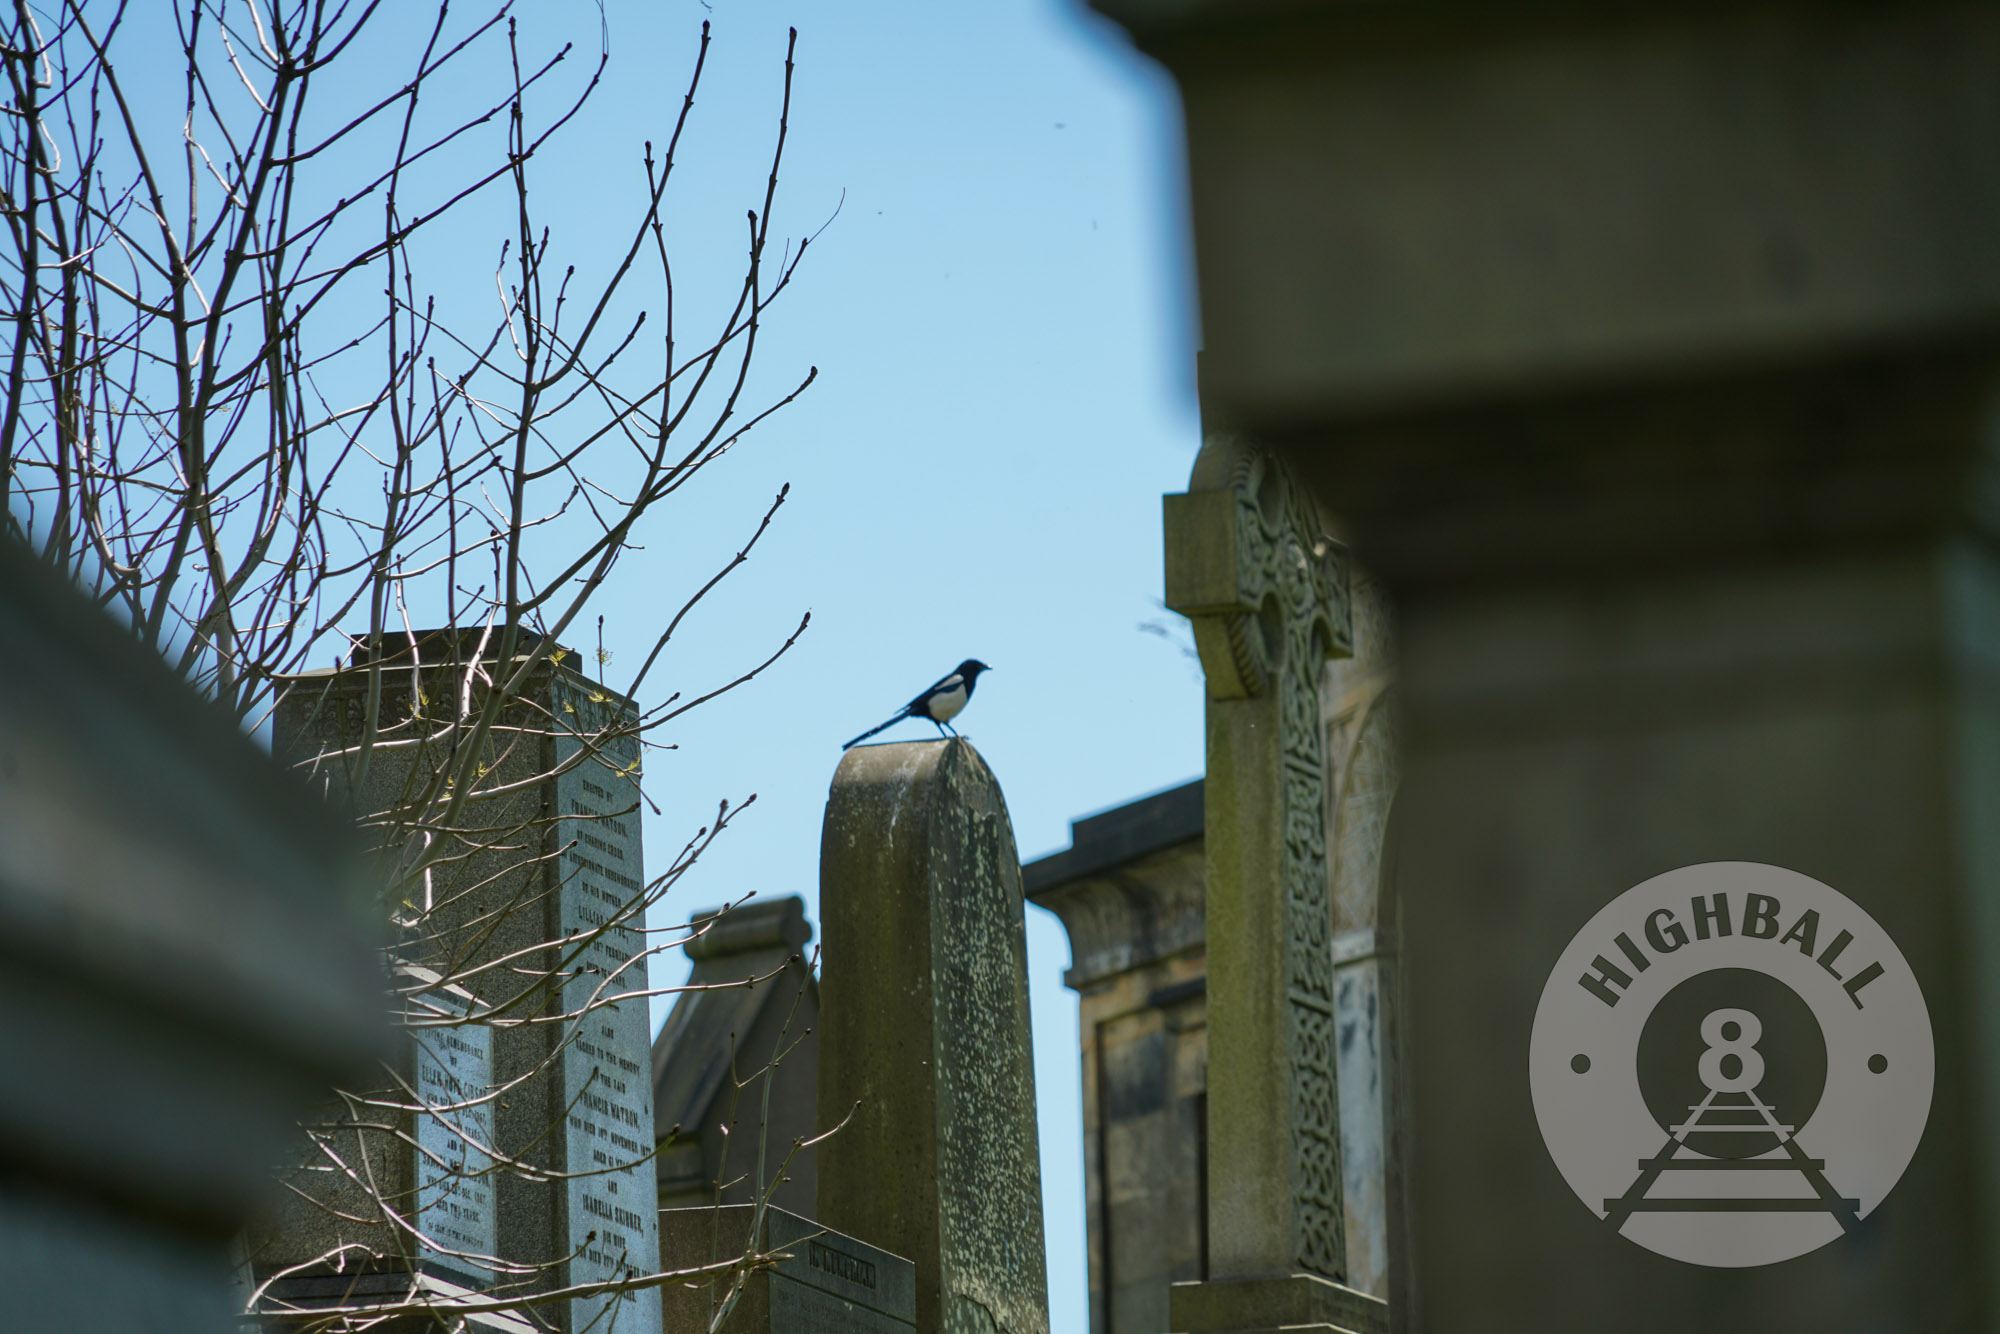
{"x":752,"y":998}
{"x":184,"y":966}
{"x":824,"y":1283}
{"x":924,"y":1044}
{"x":1250,"y":563}
{"x":577,"y":1105}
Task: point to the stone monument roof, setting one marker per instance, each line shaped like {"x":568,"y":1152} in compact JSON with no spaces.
{"x":757,"y":999}
{"x":1122,"y":834}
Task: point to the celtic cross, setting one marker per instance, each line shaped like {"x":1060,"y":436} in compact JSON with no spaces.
{"x":1250,"y":564}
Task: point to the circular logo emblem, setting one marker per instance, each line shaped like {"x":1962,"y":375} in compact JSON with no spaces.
{"x":1731,"y":1064}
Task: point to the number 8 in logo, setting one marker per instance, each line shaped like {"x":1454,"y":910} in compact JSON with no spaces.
{"x":1722,"y":1044}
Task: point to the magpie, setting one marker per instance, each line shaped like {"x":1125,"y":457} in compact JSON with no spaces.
{"x":940,"y":704}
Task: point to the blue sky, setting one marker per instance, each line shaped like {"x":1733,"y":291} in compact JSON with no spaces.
{"x":1002,"y":319}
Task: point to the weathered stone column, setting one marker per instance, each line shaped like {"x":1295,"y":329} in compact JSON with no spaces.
{"x":1250,"y":563}
{"x":924,"y":1035}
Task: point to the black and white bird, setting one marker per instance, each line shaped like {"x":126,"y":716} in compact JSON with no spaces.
{"x":940,"y":704}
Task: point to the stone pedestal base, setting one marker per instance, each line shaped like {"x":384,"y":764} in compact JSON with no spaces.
{"x":1296,"y":1303}
{"x":826,"y":1284}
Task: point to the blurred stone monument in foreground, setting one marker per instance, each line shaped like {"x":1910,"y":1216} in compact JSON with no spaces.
{"x":925,"y":1049}
{"x":1647,"y":353}
{"x":188,"y":963}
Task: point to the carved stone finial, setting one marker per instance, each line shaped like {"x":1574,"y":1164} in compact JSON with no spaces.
{"x":1250,"y":563}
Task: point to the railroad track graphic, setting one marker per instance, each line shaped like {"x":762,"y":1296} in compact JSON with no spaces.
{"x":1750,"y":1116}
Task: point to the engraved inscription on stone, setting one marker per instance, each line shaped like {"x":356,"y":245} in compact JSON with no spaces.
{"x":840,"y":1264}
{"x":607,"y":1085}
{"x":454,"y":1076}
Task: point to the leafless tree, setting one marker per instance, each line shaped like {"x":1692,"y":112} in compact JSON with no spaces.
{"x":236,"y":413}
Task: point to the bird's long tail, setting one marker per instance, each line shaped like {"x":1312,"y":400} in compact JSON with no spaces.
{"x":881,"y":727}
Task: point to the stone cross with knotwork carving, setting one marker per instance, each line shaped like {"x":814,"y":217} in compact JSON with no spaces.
{"x":1248,"y":561}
